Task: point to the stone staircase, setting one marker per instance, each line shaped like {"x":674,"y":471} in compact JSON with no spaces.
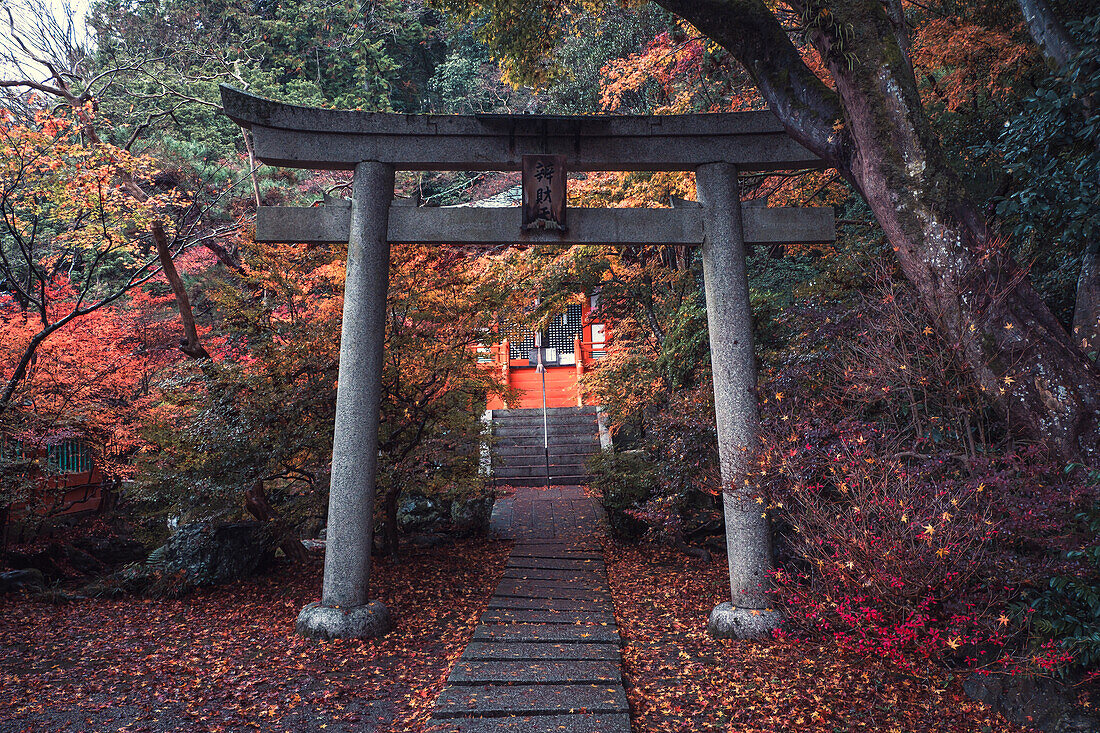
{"x":518,"y":456}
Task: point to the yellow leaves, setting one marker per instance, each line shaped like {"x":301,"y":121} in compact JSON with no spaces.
{"x":942,"y":552}
{"x":929,"y":529}
{"x":904,"y":518}
{"x":927,"y":331}
{"x":954,"y":642}
{"x":1002,"y":620}
{"x":1009,"y":380}
{"x":1008,"y":326}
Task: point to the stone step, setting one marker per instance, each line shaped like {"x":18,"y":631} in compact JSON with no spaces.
{"x":555,"y":592}
{"x":534,"y":673}
{"x":588,"y":422}
{"x":555,"y":563}
{"x":540,"y":481}
{"x":561,"y":652}
{"x":533,"y":439}
{"x":547,"y":604}
{"x":538,"y":469}
{"x":571,"y":410}
{"x":555,"y":574}
{"x":535,"y":616}
{"x":508,"y":452}
{"x":535,"y":457}
{"x":553,"y":430}
{"x":511,"y":700}
{"x":554,"y":633}
{"x":557,"y":550}
{"x":575,"y":723}
{"x":593,"y":583}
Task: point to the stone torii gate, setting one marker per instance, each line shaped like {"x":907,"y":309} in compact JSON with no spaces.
{"x":374,"y":145}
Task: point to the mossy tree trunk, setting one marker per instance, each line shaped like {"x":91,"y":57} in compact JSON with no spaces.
{"x":873,"y":129}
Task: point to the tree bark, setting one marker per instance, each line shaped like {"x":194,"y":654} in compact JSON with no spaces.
{"x":873,"y":129}
{"x":389,"y":528}
{"x":1047,"y":31}
{"x":255,"y":501}
{"x":1059,"y":49}
{"x":1086,"y":312}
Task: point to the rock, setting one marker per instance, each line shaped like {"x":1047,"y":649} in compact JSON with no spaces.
{"x":27,"y":579}
{"x":45,"y":560}
{"x":209,"y":553}
{"x":471,"y":516}
{"x":112,"y":550}
{"x":418,"y":512}
{"x":1036,"y":702}
{"x":429,"y":539}
{"x":81,"y":561}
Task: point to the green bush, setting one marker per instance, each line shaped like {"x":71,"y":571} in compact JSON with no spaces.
{"x":625,"y":480}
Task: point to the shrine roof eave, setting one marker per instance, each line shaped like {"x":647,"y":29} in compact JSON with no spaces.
{"x":310,"y":137}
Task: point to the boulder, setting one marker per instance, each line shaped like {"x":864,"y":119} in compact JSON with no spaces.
{"x":419,"y":512}
{"x":471,"y":516}
{"x":209,"y":553}
{"x":27,"y":579}
{"x":46,"y":560}
{"x":1036,"y":702}
{"x":112,"y":550}
{"x":81,"y":561}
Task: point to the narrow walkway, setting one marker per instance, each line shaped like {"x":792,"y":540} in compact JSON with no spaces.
{"x":545,"y":656}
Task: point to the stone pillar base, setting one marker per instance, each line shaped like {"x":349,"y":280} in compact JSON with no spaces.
{"x":356,"y":622}
{"x":728,"y":622}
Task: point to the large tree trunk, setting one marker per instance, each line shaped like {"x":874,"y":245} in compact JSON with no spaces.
{"x":874,"y":131}
{"x":1059,"y":48}
{"x":1047,"y":31}
{"x":391,"y":538}
{"x":1086,"y":313}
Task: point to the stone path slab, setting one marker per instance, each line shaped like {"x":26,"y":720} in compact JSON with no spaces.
{"x":548,"y":604}
{"x":546,"y":655}
{"x":536,"y":672}
{"x":575,"y":723}
{"x":540,"y":651}
{"x":531,"y":616}
{"x":488,"y":701}
{"x":558,"y":633}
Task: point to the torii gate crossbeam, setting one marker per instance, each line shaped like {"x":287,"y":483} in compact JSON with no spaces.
{"x":374,"y":145}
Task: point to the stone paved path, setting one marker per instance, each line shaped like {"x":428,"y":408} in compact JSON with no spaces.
{"x":546,"y":654}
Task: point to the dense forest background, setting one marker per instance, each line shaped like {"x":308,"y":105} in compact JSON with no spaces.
{"x":914,"y":517}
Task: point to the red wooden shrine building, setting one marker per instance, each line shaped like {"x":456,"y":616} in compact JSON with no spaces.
{"x":569,"y":345}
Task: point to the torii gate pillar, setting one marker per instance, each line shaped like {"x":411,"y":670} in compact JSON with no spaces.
{"x":733,"y":364}
{"x":344,"y":610}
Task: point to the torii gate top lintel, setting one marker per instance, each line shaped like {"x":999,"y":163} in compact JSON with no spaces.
{"x":311,"y":137}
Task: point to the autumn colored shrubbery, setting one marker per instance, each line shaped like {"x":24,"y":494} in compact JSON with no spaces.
{"x":909,"y":525}
{"x":908,"y":521}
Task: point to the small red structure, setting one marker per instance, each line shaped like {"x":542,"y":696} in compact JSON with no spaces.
{"x":569,"y":345}
{"x":66,"y":481}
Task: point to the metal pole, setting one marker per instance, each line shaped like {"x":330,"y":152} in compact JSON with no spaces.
{"x":541,"y":369}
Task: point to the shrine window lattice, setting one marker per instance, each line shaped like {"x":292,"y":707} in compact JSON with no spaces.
{"x":560,"y":333}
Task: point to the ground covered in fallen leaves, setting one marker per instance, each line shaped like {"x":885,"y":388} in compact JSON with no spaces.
{"x":679,"y":679}
{"x":227,"y":659}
